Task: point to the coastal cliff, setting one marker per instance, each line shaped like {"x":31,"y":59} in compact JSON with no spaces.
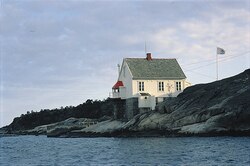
{"x":217,"y":108}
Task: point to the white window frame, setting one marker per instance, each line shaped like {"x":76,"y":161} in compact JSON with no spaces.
{"x":161,"y":86}
{"x":178,"y":86}
{"x":141,"y":86}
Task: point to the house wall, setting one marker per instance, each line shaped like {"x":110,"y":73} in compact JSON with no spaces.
{"x":147,"y":102}
{"x":131,"y":108}
{"x":151,"y":87}
{"x":126,"y":77}
{"x":119,"y":107}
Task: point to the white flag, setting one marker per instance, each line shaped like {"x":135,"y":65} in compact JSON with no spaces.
{"x":220,"y":50}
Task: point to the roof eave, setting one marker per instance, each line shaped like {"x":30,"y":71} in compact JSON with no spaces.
{"x":159,"y":78}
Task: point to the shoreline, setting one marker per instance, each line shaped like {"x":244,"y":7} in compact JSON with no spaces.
{"x":138,"y":134}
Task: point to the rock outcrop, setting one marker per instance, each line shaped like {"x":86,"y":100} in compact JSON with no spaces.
{"x":218,"y":108}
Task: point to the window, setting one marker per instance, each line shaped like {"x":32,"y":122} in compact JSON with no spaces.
{"x":178,"y":86}
{"x":141,"y":86}
{"x":116,"y":90}
{"x":161,"y":86}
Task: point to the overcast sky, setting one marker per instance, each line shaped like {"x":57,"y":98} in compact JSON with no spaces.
{"x":62,"y":52}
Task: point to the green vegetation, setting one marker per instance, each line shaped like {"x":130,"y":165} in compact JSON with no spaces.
{"x":89,"y":109}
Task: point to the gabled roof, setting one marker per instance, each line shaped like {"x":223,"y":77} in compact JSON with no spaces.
{"x":144,"y":94}
{"x":117,"y":85}
{"x":142,"y":68}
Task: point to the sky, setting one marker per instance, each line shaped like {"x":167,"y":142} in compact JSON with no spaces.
{"x":62,"y":52}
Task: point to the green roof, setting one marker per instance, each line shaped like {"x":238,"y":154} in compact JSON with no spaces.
{"x":142,"y":68}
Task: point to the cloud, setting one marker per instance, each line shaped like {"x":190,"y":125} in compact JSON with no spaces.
{"x":195,"y":39}
{"x":62,"y":53}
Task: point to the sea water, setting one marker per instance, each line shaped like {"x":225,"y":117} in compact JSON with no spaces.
{"x":40,"y":150}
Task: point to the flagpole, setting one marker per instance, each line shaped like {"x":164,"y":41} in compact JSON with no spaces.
{"x":217,"y":64}
{"x":218,"y":51}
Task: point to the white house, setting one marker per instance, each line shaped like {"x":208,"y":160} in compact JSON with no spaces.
{"x":150,"y":80}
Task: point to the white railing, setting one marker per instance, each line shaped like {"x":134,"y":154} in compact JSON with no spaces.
{"x":115,"y":95}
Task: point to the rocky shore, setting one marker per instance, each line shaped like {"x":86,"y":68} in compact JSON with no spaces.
{"x":214,"y":109}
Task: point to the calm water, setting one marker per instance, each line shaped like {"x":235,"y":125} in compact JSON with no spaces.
{"x":32,"y":150}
